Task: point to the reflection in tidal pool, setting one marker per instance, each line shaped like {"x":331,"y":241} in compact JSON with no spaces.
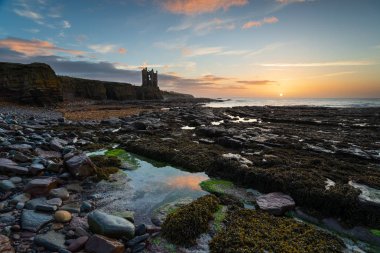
{"x":152,"y":185}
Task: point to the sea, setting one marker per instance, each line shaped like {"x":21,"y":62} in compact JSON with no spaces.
{"x":314,"y":102}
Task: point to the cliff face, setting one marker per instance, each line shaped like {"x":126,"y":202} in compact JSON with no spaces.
{"x":34,"y":83}
{"x":102,"y":90}
{"x":37,"y":84}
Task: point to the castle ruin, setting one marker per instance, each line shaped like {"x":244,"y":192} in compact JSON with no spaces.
{"x":149,"y":78}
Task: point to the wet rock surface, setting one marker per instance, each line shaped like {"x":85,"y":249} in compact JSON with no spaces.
{"x":325,"y":159}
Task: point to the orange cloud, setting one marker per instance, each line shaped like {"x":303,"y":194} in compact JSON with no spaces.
{"x":122,"y":50}
{"x":35,"y":47}
{"x":192,"y":7}
{"x":269,"y":20}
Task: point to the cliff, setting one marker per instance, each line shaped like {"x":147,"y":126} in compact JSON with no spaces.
{"x":102,"y":90}
{"x":34,"y":83}
{"x":38,"y":84}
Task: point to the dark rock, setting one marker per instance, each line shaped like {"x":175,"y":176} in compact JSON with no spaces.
{"x":138,"y":239}
{"x":276,"y":203}
{"x":7,"y":185}
{"x":138,"y":248}
{"x":61,"y":193}
{"x":140,"y":230}
{"x":52,"y":240}
{"x":109,"y":225}
{"x":5,"y":245}
{"x":78,"y":244}
{"x":80,"y":166}
{"x":102,"y":244}
{"x":41,"y":186}
{"x":33,"y":221}
{"x":8,"y":166}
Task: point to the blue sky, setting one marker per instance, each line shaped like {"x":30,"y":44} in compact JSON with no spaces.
{"x":240,"y":48}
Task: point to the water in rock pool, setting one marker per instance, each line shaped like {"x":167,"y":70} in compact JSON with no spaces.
{"x":148,"y":187}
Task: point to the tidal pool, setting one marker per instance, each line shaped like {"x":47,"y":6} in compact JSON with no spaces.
{"x":148,"y":186}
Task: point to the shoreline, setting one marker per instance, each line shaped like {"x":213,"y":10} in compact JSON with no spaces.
{"x":294,"y":150}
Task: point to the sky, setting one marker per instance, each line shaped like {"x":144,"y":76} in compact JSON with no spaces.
{"x":209,"y":48}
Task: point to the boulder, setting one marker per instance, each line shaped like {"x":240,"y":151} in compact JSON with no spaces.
{"x":9,"y":166}
{"x":276,"y":203}
{"x":33,"y":221}
{"x":109,"y":225}
{"x":80,"y":166}
{"x":41,"y":186}
{"x":102,"y":244}
{"x":52,"y":240}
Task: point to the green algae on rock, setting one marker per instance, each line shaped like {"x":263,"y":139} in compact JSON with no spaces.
{"x":105,"y":166}
{"x":254,"y":231}
{"x":127,"y":161}
{"x":183,"y":226}
{"x":216,"y":186}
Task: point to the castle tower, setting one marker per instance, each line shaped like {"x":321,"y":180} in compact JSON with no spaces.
{"x":149,"y":78}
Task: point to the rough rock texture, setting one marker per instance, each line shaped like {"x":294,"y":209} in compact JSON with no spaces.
{"x":102,"y":90}
{"x":34,"y":83}
{"x":5,"y":245}
{"x":101,"y":244}
{"x":38,"y":84}
{"x":275,"y":203}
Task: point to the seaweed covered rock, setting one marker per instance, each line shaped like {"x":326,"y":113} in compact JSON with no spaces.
{"x":185,"y":224}
{"x":254,"y":231}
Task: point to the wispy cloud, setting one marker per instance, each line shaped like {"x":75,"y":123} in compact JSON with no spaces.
{"x":107,"y":48}
{"x":292,"y":1}
{"x":258,"y":23}
{"x":32,"y":30}
{"x":35,"y":47}
{"x":256,"y":82}
{"x":199,"y":51}
{"x":29,"y":14}
{"x":203,"y":27}
{"x":266,"y":49}
{"x":320,"y":64}
{"x":66,"y":24}
{"x":193,"y":7}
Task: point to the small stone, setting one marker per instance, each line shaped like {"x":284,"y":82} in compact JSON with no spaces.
{"x":7,"y":185}
{"x":54,"y":201}
{"x":46,"y":208}
{"x":138,"y":239}
{"x":5,"y":245}
{"x":20,"y":205}
{"x":62,"y":216}
{"x":33,"y":221}
{"x":276,"y":203}
{"x":22,"y":197}
{"x":140,"y":229}
{"x":109,"y":225}
{"x":16,"y":180}
{"x":86,"y":207}
{"x":102,"y":244}
{"x":41,"y":186}
{"x":52,"y":240}
{"x":78,"y":244}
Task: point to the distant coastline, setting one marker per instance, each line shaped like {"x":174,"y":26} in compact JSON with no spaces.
{"x":314,"y":102}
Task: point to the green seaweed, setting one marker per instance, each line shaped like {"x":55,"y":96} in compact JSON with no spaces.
{"x":183,"y":226}
{"x":375,"y":232}
{"x":216,"y":186}
{"x":124,"y":157}
{"x":219,"y":217}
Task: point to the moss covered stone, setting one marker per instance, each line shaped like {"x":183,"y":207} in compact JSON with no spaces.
{"x":183,"y":226}
{"x":216,"y":186}
{"x":254,"y":231}
{"x":105,"y":166}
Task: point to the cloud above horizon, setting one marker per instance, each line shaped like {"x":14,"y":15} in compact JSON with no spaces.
{"x":258,"y":23}
{"x":320,"y":64}
{"x":193,"y":7}
{"x":35,"y":47}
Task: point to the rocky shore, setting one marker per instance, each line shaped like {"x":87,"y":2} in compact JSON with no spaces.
{"x":320,"y":165}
